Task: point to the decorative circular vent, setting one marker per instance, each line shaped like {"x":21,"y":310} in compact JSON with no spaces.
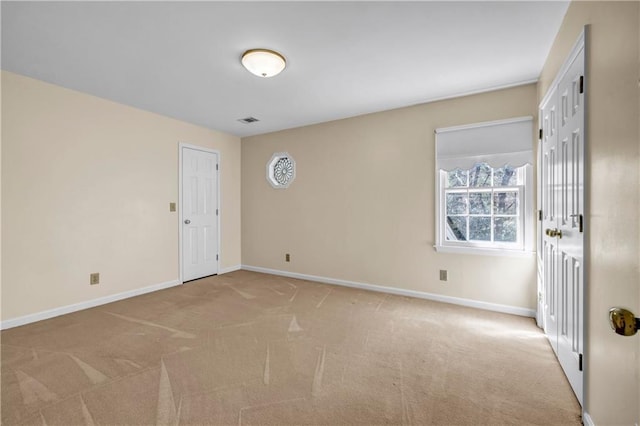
{"x":281,"y":170}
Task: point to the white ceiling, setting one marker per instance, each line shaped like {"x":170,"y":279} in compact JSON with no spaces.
{"x":182,"y":59}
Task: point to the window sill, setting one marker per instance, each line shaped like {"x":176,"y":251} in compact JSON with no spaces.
{"x":484,"y":251}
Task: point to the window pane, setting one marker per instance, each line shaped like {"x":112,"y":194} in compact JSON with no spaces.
{"x":505,"y":202}
{"x":482,"y":206}
{"x":456,"y":228}
{"x":505,"y":176}
{"x":506,"y":229}
{"x":480,"y":202}
{"x":480,"y":175}
{"x":480,"y":228}
{"x":456,"y":203}
{"x":457,"y":179}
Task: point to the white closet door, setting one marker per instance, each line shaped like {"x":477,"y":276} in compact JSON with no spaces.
{"x":199,"y":209}
{"x":562,"y":227}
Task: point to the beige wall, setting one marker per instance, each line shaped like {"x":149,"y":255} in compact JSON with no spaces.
{"x":613,"y":278}
{"x":362,"y":205}
{"x":86,"y":187}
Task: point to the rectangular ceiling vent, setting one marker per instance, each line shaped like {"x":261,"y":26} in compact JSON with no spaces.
{"x":248,"y":120}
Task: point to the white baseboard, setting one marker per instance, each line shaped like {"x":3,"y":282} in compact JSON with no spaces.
{"x":230,"y":269}
{"x":39,"y":316}
{"x":587,"y":420}
{"x":399,"y":291}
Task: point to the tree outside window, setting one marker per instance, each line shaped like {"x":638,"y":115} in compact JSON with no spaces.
{"x":483,"y":205}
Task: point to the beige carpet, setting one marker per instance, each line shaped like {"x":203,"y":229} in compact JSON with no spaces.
{"x":247,"y":348}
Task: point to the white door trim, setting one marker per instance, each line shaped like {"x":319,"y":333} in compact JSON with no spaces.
{"x":182,"y":145}
{"x":578,"y":46}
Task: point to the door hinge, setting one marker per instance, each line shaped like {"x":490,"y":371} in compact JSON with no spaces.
{"x":216,"y":257}
{"x":216,"y":212}
{"x":581,"y":84}
{"x":580,"y":362}
{"x":216,"y":166}
{"x":540,"y":134}
{"x":540,"y":215}
{"x":580,"y":221}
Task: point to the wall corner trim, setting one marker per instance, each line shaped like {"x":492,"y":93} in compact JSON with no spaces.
{"x":230,"y":269}
{"x":514,"y":310}
{"x":587,"y":420}
{"x":50,"y":313}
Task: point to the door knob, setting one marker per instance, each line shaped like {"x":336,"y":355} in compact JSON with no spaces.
{"x":623,"y":321}
{"x":553,"y":233}
{"x":187,"y":221}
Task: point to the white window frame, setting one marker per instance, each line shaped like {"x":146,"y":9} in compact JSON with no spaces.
{"x":523,"y":248}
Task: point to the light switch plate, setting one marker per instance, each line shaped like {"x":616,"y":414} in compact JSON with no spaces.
{"x":172,"y":207}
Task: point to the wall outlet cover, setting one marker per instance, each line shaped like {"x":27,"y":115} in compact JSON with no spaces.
{"x":94,"y":278}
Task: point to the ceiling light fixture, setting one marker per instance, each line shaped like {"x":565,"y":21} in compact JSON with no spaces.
{"x":263,"y":62}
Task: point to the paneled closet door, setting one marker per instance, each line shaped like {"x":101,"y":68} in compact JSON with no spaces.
{"x":562,"y":225}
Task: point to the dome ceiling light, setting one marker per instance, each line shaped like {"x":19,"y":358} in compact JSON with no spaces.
{"x":263,"y":62}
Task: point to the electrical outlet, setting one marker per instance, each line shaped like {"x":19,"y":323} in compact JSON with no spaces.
{"x":443,"y":275}
{"x":94,"y":278}
{"x":287,"y":257}
{"x":172,"y":207}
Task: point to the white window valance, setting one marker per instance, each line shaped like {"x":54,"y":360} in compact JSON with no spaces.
{"x":496,"y":143}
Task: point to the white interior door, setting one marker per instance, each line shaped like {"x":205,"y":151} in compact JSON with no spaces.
{"x":548,"y":115}
{"x":570,"y":222}
{"x":539,"y":240}
{"x":562,"y":228}
{"x":199,"y":213}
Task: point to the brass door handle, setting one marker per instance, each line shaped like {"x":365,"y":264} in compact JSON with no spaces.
{"x":623,"y":322}
{"x":553,"y":233}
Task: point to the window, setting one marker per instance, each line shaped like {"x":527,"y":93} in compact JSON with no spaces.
{"x":482,"y":206}
{"x":281,"y":170}
{"x":484,"y":189}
